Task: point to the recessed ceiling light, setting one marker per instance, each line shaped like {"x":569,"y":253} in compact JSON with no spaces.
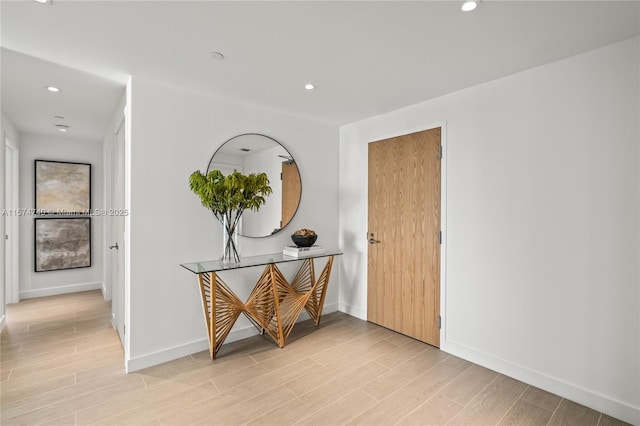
{"x":62,"y":127}
{"x":59,"y":117}
{"x":43,"y":1}
{"x":217,"y":56}
{"x":470,"y":5}
{"x":245,"y":149}
{"x":52,"y":88}
{"x":309,"y":86}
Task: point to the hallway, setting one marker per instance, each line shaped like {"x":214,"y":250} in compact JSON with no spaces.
{"x":52,"y":349}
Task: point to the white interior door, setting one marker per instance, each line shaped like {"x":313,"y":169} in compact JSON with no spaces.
{"x":117,"y":232}
{"x":11,"y":223}
{"x":8,"y":238}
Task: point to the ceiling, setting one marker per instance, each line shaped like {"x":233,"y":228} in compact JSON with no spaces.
{"x":86,"y":102}
{"x":365,"y":58}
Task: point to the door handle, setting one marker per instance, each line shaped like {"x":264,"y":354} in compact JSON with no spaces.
{"x":372,"y":240}
{"x":115,"y":246}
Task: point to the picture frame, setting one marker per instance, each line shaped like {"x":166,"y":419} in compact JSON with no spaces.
{"x":62,"y":187}
{"x":62,"y":243}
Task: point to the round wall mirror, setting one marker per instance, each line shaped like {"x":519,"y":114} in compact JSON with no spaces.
{"x":256,"y":153}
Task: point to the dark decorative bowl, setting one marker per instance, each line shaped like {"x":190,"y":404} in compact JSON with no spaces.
{"x":304,"y":240}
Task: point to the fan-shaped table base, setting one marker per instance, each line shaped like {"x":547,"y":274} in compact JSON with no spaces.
{"x":273,"y":306}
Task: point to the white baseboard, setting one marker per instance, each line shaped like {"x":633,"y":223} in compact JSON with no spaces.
{"x":64,"y":289}
{"x":573,"y":392}
{"x":104,"y":291}
{"x":326,"y":309}
{"x":3,"y":322}
{"x":175,"y":352}
{"x":165,"y":355}
{"x":354,"y":311}
{"x":179,"y":351}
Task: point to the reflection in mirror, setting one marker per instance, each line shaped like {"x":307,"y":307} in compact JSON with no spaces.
{"x":255,"y":153}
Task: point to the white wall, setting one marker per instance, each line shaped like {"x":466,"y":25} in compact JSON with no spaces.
{"x":173,"y":133}
{"x":541,"y":239}
{"x":7,"y":130}
{"x":38,"y":284}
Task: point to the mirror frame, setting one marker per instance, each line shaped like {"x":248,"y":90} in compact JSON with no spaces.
{"x":292,"y":159}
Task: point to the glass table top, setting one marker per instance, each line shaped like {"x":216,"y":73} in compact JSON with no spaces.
{"x":246,"y":262}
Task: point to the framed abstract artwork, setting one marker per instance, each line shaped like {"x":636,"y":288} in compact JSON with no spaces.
{"x":62,"y":187}
{"x":62,"y":243}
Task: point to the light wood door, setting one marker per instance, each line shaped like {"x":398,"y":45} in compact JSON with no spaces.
{"x":291,"y":189}
{"x":404,"y":218}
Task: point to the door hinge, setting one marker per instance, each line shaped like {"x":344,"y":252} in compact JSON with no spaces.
{"x":440,"y":152}
{"x":439,"y":322}
{"x":440,"y":237}
{"x":124,"y":329}
{"x":280,"y":176}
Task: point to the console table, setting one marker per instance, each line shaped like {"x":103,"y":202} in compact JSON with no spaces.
{"x":274,"y":304}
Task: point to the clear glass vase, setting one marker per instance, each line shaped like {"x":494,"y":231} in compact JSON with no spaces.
{"x":230,"y":240}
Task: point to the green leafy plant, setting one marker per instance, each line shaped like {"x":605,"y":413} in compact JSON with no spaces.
{"x":228,"y":197}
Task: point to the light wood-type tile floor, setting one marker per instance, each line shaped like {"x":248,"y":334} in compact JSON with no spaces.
{"x":62,"y":364}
